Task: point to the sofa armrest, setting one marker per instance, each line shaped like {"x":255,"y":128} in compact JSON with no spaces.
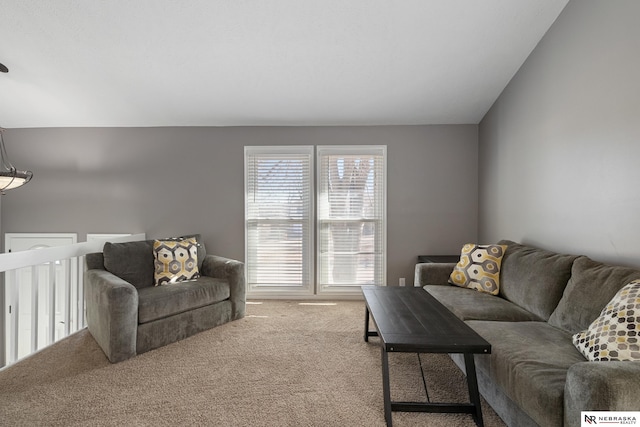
{"x":432,"y":274}
{"x":232,"y":271}
{"x":112,"y":313}
{"x":600,"y":386}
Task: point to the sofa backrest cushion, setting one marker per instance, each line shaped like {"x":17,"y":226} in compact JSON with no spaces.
{"x":133,"y":261}
{"x":534,"y":278}
{"x":592,"y":285}
{"x":130,"y":261}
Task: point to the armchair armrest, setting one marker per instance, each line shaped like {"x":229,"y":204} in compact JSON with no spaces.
{"x":233,"y":272}
{"x":600,"y":386}
{"x":432,"y":273}
{"x":112,"y":313}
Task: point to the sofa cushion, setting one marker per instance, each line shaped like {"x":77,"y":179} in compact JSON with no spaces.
{"x":591,"y":287}
{"x":479,"y":268}
{"x":130,"y":261}
{"x":529,"y":363}
{"x":614,"y":334}
{"x":468,"y":304}
{"x":175,"y":261}
{"x":157,"y":302}
{"x":534,"y":278}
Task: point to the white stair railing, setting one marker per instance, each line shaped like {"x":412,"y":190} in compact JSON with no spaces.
{"x":57,"y":272}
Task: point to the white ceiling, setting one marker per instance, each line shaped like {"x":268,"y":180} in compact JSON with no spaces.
{"x":261,"y":62}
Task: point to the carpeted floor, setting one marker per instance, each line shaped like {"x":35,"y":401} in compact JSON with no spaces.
{"x":286,"y":364}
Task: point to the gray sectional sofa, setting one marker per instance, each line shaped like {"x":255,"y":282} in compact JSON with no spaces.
{"x":534,"y":374}
{"x":128,"y":315}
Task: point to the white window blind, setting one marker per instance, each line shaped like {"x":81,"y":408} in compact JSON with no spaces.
{"x":279,"y":215}
{"x":351,"y":229}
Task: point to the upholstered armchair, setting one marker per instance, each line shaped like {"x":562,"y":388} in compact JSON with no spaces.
{"x":128,"y":313}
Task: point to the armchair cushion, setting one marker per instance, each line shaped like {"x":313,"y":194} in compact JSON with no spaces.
{"x":130,"y":261}
{"x":157,"y":302}
{"x":133,"y":261}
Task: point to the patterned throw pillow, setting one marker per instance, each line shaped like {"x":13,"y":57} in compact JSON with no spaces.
{"x":614,"y":334}
{"x":175,"y":261}
{"x":479,"y":268}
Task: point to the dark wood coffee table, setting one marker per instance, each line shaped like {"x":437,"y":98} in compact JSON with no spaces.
{"x":410,"y":320}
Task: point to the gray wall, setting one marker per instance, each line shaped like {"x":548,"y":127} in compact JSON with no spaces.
{"x":172,"y":181}
{"x":559,"y":150}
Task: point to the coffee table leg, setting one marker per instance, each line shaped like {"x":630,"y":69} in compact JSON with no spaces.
{"x":472,"y":382}
{"x":366,"y":324}
{"x":386,"y":390}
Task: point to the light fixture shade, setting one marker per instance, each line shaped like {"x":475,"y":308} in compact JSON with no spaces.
{"x":14,"y":179}
{"x":10,"y":177}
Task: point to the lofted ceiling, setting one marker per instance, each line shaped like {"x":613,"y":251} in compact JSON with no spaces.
{"x":78,"y":63}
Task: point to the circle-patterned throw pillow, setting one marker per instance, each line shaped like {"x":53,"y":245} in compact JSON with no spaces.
{"x":613,"y":336}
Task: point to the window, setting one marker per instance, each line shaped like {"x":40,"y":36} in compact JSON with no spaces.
{"x":351,"y":217}
{"x":278,"y":213}
{"x":350,"y":220}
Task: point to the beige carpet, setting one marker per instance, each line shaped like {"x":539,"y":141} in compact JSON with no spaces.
{"x":285,"y":364}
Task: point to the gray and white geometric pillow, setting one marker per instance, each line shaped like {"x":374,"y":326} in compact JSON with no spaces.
{"x":614,"y":335}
